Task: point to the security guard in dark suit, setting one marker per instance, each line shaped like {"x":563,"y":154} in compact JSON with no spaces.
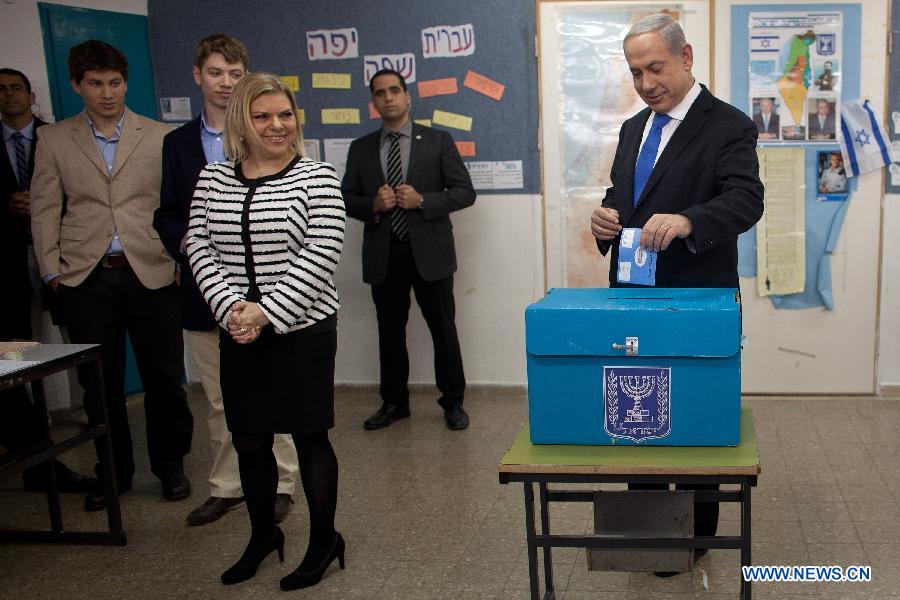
{"x":403,"y":181}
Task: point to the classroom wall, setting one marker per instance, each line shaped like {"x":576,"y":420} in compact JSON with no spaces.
{"x":22,"y":47}
{"x":889,"y":323}
{"x":501,"y":255}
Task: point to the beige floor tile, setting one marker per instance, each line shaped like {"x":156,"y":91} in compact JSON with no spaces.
{"x":829,"y":532}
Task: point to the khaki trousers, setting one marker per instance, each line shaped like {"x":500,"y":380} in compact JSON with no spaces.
{"x":224,"y":479}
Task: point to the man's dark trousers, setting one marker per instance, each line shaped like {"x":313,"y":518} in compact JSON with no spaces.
{"x":101,"y":310}
{"x":435,"y":299}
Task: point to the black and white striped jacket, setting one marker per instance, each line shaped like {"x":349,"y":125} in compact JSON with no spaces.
{"x":285,"y":230}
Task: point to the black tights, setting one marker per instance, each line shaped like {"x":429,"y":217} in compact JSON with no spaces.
{"x":259,"y":480}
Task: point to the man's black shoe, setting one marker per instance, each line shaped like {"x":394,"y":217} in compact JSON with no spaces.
{"x":67,"y":480}
{"x":176,"y":487}
{"x":456,"y":418}
{"x":384,"y":416}
{"x":667,"y":573}
{"x":212,"y":510}
{"x":94,"y":502}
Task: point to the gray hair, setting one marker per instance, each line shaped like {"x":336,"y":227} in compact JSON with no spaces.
{"x":671,"y":32}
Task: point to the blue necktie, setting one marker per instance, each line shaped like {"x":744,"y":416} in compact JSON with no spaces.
{"x":21,"y":162}
{"x":647,"y":157}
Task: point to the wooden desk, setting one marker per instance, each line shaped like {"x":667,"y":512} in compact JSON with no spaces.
{"x":48,"y":359}
{"x":543,"y":464}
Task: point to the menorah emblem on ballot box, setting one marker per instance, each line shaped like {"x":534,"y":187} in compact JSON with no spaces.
{"x":638,"y":387}
{"x":648,"y":389}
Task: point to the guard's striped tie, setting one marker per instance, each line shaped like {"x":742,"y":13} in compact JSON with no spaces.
{"x":395,"y":178}
{"x":21,"y":162}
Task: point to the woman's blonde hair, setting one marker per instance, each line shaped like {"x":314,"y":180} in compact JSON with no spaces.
{"x":238,"y":123}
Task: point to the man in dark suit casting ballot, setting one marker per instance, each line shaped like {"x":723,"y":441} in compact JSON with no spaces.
{"x":403,"y":181}
{"x":685,"y":172}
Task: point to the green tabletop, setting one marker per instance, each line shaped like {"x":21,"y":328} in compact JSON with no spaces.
{"x":743,"y":459}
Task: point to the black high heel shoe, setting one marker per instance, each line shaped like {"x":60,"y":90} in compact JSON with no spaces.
{"x":308,"y":578}
{"x":246,"y":567}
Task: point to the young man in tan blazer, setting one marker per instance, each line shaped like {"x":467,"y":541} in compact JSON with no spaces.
{"x":93,"y":194}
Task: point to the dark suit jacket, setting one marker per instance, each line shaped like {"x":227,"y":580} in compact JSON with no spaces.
{"x":437,"y":172}
{"x":15,"y":235}
{"x":707,"y":172}
{"x":183,"y":159}
{"x":774,"y":122}
{"x":815,"y":130}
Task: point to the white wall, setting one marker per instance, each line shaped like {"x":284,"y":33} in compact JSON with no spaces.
{"x":500,"y":256}
{"x":22,"y":46}
{"x":889,"y":324}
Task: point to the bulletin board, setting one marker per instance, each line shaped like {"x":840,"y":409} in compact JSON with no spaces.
{"x":893,"y":121}
{"x":486,"y":48}
{"x":816,"y":350}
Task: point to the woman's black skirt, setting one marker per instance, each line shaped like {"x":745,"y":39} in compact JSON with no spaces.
{"x":281,"y":383}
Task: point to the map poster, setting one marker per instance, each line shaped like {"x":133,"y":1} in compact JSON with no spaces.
{"x":795,"y":76}
{"x":596,"y":95}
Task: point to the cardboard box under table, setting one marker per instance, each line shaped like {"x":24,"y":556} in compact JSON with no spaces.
{"x":634,"y":366}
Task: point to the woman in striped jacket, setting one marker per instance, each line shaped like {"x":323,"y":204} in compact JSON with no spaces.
{"x":265,"y":236}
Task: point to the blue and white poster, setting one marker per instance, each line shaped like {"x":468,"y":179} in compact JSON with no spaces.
{"x":795,"y":75}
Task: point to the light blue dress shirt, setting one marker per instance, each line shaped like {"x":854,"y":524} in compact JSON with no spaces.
{"x":108,"y":147}
{"x":213,"y":142}
{"x":28,"y":139}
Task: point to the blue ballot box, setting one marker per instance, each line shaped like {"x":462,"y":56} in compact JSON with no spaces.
{"x":650,"y":366}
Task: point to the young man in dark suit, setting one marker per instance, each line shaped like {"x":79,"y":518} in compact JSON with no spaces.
{"x":402,"y":182}
{"x":219,"y":62}
{"x":686,"y":173}
{"x":21,"y":423}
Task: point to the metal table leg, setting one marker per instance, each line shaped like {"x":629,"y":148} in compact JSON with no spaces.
{"x":40,"y":401}
{"x":529,"y":536}
{"x":107,"y":464}
{"x":746,"y":539}
{"x":545,"y":530}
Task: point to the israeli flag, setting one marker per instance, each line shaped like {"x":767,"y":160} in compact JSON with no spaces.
{"x":863,"y":140}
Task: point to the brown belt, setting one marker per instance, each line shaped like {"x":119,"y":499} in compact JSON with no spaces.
{"x":113,"y":261}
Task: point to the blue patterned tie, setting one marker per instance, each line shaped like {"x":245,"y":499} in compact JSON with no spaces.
{"x":21,"y":162}
{"x":647,"y":157}
{"x":395,"y":178}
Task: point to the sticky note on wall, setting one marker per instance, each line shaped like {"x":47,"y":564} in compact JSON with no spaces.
{"x":423,"y":122}
{"x":334,"y":81}
{"x":449,"y":119}
{"x":466,"y":148}
{"x":340,"y":116}
{"x":484,"y":85}
{"x":437,"y":87}
{"x":301,"y":115}
{"x":292,"y":81}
